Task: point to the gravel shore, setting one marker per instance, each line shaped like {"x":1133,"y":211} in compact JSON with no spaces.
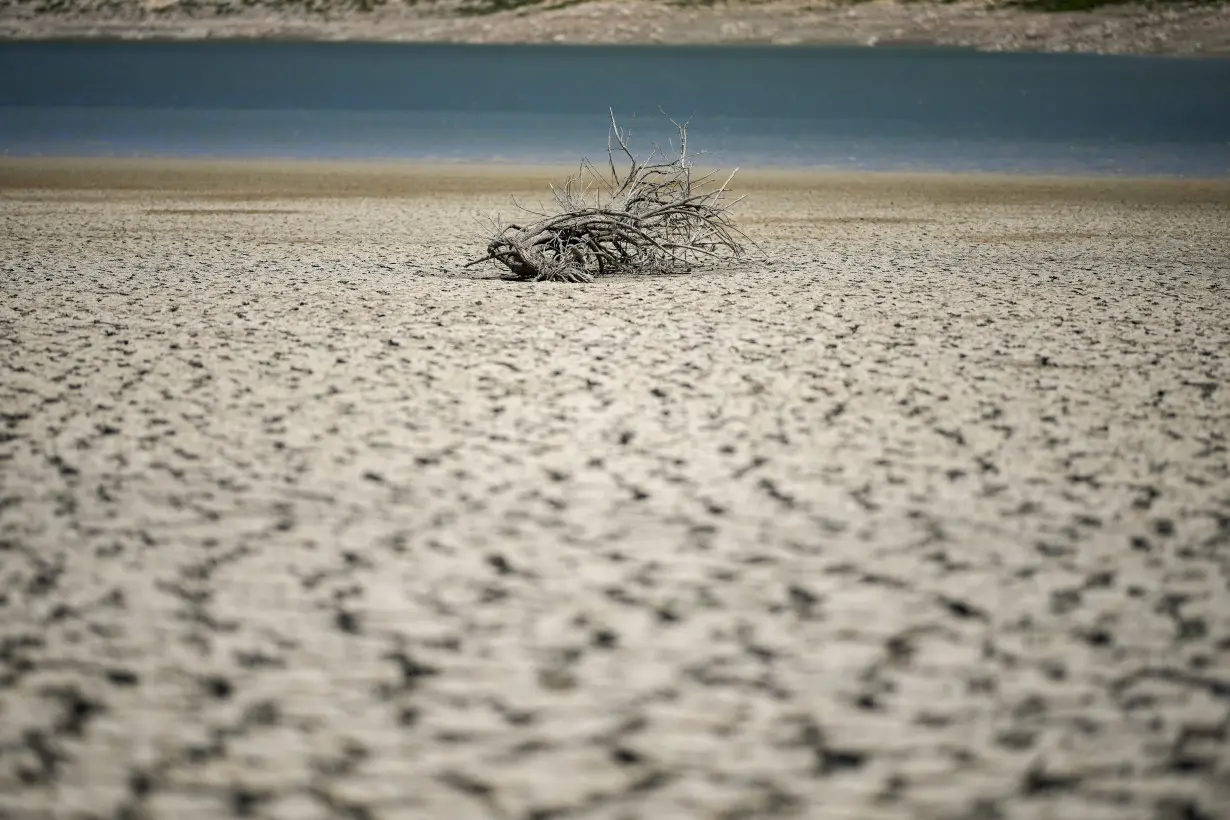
{"x":926,"y":517}
{"x":1171,"y":28}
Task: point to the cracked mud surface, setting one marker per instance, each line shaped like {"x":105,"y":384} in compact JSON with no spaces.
{"x":930,"y":518}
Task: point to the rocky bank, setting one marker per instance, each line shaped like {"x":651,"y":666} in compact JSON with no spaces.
{"x":1171,"y":28}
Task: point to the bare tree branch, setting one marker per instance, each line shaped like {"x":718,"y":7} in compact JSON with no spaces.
{"x":656,"y":218}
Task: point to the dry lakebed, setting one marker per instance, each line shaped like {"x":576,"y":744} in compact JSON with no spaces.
{"x":925,"y":516}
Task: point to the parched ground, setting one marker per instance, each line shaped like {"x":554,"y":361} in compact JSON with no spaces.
{"x":1175,"y":28}
{"x":927,"y":518}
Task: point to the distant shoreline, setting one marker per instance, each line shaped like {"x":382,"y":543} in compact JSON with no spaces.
{"x":385,"y":178}
{"x":1169,"y":29}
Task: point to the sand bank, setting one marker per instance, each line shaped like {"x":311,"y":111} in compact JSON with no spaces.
{"x":926,"y":517}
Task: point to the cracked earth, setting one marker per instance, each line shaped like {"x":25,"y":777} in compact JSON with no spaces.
{"x":928,"y":517}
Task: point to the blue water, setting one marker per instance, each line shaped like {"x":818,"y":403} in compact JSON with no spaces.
{"x":874,"y":109}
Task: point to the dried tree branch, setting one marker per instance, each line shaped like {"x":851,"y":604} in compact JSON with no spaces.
{"x":656,"y":218}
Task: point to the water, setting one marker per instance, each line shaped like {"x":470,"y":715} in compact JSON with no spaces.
{"x":871,"y":109}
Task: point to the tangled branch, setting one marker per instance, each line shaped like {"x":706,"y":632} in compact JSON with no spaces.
{"x":652,"y":218}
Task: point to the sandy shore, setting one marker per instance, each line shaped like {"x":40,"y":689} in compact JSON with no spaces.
{"x":928,"y":518}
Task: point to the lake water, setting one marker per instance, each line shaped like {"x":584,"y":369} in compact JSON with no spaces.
{"x":852,"y":108}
